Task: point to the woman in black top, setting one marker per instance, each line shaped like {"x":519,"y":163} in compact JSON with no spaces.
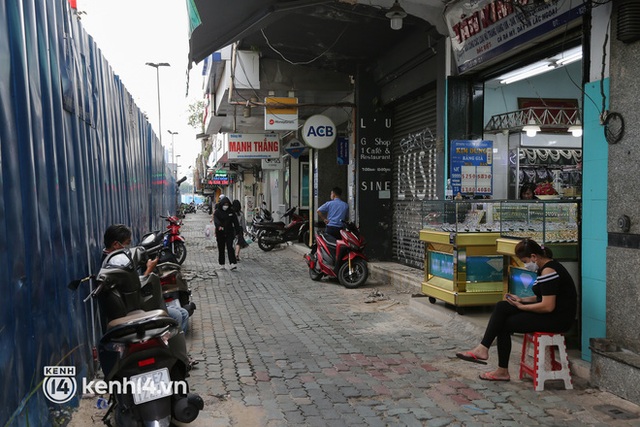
{"x":552,"y":309}
{"x":226,"y":223}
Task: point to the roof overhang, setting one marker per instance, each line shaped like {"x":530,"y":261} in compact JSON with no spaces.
{"x":223,"y":22}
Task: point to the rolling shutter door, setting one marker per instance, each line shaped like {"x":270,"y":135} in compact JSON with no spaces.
{"x":414,"y":174}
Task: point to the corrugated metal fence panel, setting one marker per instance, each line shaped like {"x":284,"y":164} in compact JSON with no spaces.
{"x":414,"y":174}
{"x":76,"y":154}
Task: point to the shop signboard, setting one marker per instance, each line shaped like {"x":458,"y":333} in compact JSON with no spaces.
{"x":319,"y":132}
{"x":295,"y":148}
{"x":254,"y":146}
{"x":343,"y":150}
{"x":280,"y":113}
{"x":273,"y":164}
{"x":472,"y":167}
{"x":482,"y":30}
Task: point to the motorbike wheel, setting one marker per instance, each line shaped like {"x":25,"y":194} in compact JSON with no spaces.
{"x":315,"y":275}
{"x":180,"y":252}
{"x":264,"y":245}
{"x":359,"y":273}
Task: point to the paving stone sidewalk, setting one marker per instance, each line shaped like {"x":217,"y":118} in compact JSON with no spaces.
{"x":277,"y":349}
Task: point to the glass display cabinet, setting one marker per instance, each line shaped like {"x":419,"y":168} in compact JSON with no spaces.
{"x":461,"y":265}
{"x":552,"y":223}
{"x":470,"y":246}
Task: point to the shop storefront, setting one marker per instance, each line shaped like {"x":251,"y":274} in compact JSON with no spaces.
{"x":522,"y":68}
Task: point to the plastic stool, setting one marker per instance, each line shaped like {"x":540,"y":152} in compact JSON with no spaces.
{"x":545,"y":366}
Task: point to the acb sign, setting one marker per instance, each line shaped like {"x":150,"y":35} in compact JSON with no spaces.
{"x":319,"y":132}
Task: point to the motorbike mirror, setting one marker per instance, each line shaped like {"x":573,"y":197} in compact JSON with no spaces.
{"x":74,"y":284}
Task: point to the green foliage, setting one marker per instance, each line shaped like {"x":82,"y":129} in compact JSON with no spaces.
{"x":196,"y":113}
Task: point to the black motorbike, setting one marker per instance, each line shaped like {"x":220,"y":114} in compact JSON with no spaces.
{"x":175,"y":288}
{"x":143,"y":349}
{"x":263,"y":216}
{"x":271,"y":234}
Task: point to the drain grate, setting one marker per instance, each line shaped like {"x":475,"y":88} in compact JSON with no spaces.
{"x":616,"y":412}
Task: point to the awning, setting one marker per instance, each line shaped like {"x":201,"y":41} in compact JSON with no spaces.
{"x":224,"y":22}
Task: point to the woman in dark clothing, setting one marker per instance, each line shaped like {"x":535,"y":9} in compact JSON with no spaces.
{"x":226,"y":224}
{"x":552,"y":309}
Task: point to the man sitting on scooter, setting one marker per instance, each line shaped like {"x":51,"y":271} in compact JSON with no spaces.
{"x":333,"y":213}
{"x":118,"y":236}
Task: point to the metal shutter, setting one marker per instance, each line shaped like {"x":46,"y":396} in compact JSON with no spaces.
{"x":414,"y":174}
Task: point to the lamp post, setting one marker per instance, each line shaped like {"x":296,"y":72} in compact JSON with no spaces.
{"x":173,"y":157}
{"x":157,"y":66}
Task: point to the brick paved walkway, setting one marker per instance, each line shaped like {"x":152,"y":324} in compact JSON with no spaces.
{"x":277,"y":349}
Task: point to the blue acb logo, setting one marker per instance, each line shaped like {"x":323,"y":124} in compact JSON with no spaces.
{"x":320,"y":131}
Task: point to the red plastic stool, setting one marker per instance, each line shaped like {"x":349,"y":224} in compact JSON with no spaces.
{"x":539,"y":361}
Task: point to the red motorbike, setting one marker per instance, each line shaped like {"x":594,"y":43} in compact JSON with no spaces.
{"x":173,"y":241}
{"x":341,"y":258}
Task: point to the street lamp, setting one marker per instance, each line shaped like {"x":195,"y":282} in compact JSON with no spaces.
{"x":173,"y":157}
{"x":157,"y":66}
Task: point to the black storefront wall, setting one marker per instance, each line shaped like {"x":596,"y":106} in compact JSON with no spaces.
{"x":417,"y":171}
{"x":373,"y":168}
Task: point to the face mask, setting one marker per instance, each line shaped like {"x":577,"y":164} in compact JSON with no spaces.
{"x":531,"y":266}
{"x":225,"y":207}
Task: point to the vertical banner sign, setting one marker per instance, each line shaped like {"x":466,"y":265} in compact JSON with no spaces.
{"x":472,"y":167}
{"x":374,"y":133}
{"x":343,"y":150}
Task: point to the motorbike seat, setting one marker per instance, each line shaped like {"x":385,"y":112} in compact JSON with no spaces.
{"x":271,"y":225}
{"x":331,"y":241}
{"x":136,"y":316}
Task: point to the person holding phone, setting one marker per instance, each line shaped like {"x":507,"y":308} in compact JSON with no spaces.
{"x":552,"y":309}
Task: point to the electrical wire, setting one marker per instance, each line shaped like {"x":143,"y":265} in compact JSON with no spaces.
{"x":304,"y":62}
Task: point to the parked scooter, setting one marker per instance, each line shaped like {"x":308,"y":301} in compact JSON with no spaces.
{"x":342,"y":258}
{"x":175,"y":289}
{"x":263,"y":215}
{"x":143,"y":348}
{"x":274,"y":233}
{"x":173,"y":240}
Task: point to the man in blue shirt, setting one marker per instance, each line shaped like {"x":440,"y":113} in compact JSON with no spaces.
{"x":333,"y":213}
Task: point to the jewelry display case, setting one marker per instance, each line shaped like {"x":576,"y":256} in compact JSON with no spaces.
{"x":462,"y":266}
{"x":470,"y":246}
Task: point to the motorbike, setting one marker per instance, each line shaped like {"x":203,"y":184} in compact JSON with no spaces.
{"x":342,"y":258}
{"x":263,"y":215}
{"x":271,"y":234}
{"x":173,"y":246}
{"x":175,"y":289}
{"x":143,"y":348}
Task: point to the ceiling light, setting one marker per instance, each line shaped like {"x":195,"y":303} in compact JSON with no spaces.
{"x":396,"y":14}
{"x":569,"y":59}
{"x":531,"y":128}
{"x":576,"y":130}
{"x":521,"y":75}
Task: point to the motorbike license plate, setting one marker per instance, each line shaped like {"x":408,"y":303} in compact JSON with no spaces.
{"x":173,"y":303}
{"x":151,"y":386}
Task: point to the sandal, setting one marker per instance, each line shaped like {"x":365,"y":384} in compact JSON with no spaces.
{"x":470,"y":357}
{"x":488,"y":376}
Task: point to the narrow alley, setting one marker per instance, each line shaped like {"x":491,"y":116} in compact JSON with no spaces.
{"x":277,"y":349}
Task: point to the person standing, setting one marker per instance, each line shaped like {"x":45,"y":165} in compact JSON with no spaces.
{"x":240,"y":243}
{"x":333,"y":213}
{"x":226,"y":224}
{"x":552,"y":309}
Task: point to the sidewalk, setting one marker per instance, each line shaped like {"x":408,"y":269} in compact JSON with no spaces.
{"x":473,"y":322}
{"x":277,"y":349}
